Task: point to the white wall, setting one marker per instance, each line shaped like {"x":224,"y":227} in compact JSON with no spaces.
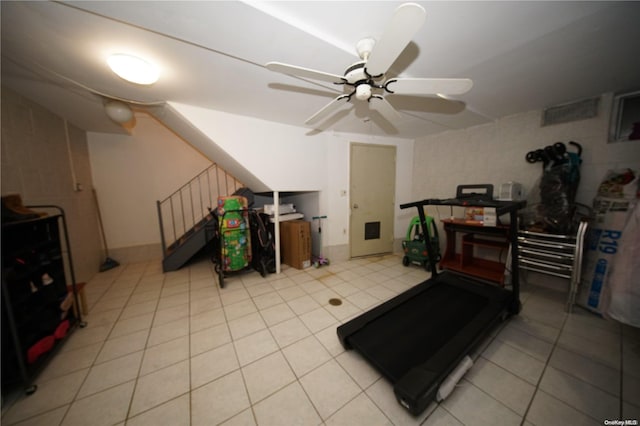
{"x":130,"y":173}
{"x":283,"y":157}
{"x":495,"y":153}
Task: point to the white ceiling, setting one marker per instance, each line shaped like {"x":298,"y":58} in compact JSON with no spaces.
{"x":521,"y":56}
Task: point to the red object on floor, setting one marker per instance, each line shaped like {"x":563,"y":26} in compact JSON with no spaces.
{"x":61,"y":330}
{"x":41,"y":347}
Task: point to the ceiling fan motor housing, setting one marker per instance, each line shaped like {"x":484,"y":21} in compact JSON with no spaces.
{"x":356,"y":73}
{"x":357,"y":76}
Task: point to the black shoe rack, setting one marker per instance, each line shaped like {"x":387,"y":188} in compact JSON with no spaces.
{"x":37,"y":307}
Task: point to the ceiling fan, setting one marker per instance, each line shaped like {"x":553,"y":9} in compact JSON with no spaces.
{"x":366,"y":77}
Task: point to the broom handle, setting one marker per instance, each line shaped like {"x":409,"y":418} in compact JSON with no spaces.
{"x":102,"y":235}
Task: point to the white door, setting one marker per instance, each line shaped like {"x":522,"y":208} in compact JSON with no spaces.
{"x":372,"y":189}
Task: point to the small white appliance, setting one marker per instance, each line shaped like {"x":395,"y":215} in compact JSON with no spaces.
{"x":511,"y":191}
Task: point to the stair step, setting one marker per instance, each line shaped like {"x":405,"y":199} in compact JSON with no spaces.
{"x":174,"y":258}
{"x":198,"y":226}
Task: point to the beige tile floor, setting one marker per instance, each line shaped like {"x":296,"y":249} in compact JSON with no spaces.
{"x":174,"y":349}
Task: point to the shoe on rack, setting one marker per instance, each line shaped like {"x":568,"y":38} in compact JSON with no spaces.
{"x":13,"y":210}
{"x":65,"y":305}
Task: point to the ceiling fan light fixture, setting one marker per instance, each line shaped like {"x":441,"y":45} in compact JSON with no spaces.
{"x":118,"y":111}
{"x":363,"y":92}
{"x":133,"y":69}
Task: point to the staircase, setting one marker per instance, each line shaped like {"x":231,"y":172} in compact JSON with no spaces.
{"x":186,"y":224}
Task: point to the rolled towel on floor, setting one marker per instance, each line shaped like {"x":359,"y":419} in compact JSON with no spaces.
{"x":450,"y":382}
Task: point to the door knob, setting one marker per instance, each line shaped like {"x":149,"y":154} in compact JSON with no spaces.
{"x":355,"y":206}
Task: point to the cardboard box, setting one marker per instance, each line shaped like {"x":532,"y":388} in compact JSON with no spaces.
{"x":295,"y":243}
{"x":481,"y":215}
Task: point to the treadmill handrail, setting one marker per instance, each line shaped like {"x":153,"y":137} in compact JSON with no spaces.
{"x":502,"y":207}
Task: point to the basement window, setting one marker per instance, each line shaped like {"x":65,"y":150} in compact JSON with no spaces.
{"x":625,"y":118}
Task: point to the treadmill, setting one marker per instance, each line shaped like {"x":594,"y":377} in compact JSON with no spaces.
{"x":421,"y":337}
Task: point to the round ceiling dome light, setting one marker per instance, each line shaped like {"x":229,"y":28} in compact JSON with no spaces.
{"x":133,"y":69}
{"x":118,"y":111}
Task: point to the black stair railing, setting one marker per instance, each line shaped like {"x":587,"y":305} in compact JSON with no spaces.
{"x":187,"y":208}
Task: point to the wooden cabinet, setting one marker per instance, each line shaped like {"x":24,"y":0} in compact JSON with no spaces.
{"x":473,"y":238}
{"x":37,"y":307}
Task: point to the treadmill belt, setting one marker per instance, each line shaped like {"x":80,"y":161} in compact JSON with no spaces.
{"x":410,"y":334}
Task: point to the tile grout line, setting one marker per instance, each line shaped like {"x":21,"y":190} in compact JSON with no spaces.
{"x":136,"y":379}
{"x":537,"y":387}
{"x":142,"y":361}
{"x":555,"y":346}
{"x":332,"y":357}
{"x":363,"y":391}
{"x":235,"y":351}
{"x":103,"y":343}
{"x":485,"y":345}
{"x":93,"y":363}
{"x":296,"y":378}
{"x":590,"y":359}
{"x":189,"y":349}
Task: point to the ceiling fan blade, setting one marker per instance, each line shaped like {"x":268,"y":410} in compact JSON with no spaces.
{"x":380,"y":104}
{"x":426,"y":104}
{"x":299,"y":89}
{"x":328,"y":109}
{"x":428,"y":86}
{"x":405,"y":23}
{"x":305,"y":72}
